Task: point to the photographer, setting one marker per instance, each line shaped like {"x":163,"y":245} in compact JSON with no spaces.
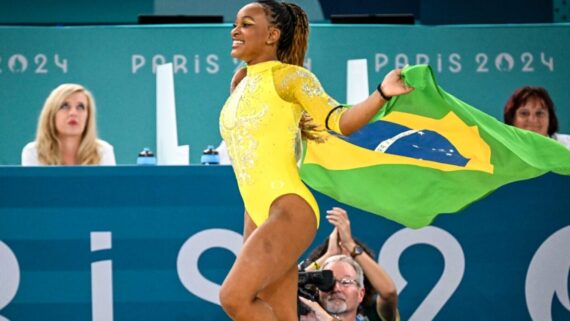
{"x":381,"y":299}
{"x":341,"y":303}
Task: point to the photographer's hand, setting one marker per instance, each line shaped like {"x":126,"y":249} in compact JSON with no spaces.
{"x":334,"y":244}
{"x":339,"y":218}
{"x":333,"y":248}
{"x":317,"y":311}
{"x":387,"y":299}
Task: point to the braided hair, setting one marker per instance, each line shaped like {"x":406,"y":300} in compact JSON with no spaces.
{"x":293,"y":23}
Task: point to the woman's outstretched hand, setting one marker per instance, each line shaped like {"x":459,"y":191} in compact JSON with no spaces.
{"x":394,"y":85}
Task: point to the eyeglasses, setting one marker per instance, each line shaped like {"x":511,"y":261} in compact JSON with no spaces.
{"x":346,"y":282}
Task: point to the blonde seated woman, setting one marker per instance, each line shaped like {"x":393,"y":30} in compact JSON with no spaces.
{"x":67,"y":131}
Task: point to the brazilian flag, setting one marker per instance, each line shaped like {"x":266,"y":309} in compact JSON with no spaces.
{"x":427,"y":153}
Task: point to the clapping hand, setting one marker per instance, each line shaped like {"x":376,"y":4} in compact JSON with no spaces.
{"x":343,"y":236}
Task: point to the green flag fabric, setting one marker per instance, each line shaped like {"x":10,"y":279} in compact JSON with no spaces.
{"x":427,"y":153}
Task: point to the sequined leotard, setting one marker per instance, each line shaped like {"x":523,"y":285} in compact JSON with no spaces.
{"x":259,"y":123}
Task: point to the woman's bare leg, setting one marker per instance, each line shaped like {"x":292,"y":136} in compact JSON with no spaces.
{"x":281,"y":291}
{"x":266,"y":266}
{"x":282,"y":295}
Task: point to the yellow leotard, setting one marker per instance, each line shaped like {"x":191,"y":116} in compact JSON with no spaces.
{"x":259,"y":123}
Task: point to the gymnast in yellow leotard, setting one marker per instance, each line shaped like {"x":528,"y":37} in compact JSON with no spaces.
{"x":260,"y":123}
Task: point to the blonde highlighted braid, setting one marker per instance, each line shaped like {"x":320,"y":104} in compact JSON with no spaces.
{"x":293,"y":23}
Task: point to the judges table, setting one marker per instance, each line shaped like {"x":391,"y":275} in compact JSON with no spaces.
{"x":154,"y":243}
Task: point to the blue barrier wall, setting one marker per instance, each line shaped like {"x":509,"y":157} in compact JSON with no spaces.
{"x":157,"y":241}
{"x":482,"y":65}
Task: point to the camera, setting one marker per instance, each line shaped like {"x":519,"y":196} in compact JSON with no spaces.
{"x":309,"y":284}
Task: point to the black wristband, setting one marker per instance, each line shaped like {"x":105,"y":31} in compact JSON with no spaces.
{"x":329,"y":115}
{"x":379,"y":88}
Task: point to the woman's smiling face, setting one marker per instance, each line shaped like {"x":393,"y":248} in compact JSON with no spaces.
{"x":253,"y":36}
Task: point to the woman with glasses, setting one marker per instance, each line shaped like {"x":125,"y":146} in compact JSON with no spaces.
{"x":531,"y":108}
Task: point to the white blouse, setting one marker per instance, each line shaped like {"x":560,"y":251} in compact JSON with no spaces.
{"x":30,"y":154}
